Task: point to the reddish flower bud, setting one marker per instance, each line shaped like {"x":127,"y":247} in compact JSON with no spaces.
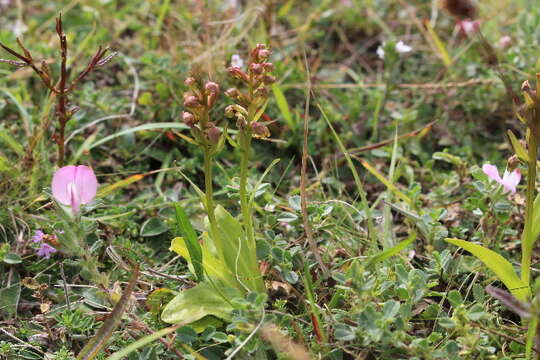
{"x":213,"y":134}
{"x":212,"y":87}
{"x":191,"y":101}
{"x":237,"y":73}
{"x":229,"y":111}
{"x":240,"y":121}
{"x":269,"y":79}
{"x":263,"y":54}
{"x":190,"y":81}
{"x":256,"y":68}
{"x":189,"y":119}
{"x":260,"y":130}
{"x":212,"y":98}
{"x":268,"y":66}
{"x":261,"y":92}
{"x":232,"y":93}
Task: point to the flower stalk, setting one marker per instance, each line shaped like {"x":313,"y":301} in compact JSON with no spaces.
{"x":528,"y":239}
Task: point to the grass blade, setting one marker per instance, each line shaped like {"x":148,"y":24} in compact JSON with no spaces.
{"x":142,"y":342}
{"x":283,"y":105}
{"x":145,"y":127}
{"x":357,"y":181}
{"x":392,"y":251}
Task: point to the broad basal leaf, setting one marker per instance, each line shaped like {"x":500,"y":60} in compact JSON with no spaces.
{"x":197,"y":302}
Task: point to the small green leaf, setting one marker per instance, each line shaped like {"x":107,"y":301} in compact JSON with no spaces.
{"x":499,"y":265}
{"x":294,"y":202}
{"x":344,"y":332}
{"x":476,"y":312}
{"x":447,"y":323}
{"x":192,"y":244}
{"x":153,"y":227}
{"x":390,"y":309}
{"x":12,"y":258}
{"x":10,"y":295}
{"x":455,"y":298}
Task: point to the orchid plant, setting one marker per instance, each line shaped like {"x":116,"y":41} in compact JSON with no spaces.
{"x":225,"y":261}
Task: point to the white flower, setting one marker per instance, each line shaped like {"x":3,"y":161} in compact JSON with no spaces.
{"x":237,"y":61}
{"x":403,"y":48}
{"x":380,"y":51}
{"x":400,"y":47}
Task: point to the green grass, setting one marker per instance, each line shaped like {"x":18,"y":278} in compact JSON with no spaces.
{"x":427,"y":301}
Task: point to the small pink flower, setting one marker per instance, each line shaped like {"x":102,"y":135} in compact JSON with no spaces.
{"x":505,"y":42}
{"x":46,"y":250}
{"x":468,"y":27}
{"x":74,"y":185}
{"x":509,"y":181}
{"x":38,"y":236}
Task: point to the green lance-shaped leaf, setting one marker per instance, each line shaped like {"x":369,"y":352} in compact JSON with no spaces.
{"x":392,"y":251}
{"x":499,"y":265}
{"x":98,"y":342}
{"x":190,"y":238}
{"x":518,"y":148}
{"x":283,"y":105}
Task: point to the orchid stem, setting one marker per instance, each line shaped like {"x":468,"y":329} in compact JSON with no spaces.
{"x":527,"y":240}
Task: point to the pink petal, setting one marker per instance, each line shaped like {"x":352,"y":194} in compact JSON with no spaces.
{"x":492,"y":172}
{"x":86,"y":184}
{"x":74,"y":185}
{"x":511,"y":180}
{"x":60,"y":181}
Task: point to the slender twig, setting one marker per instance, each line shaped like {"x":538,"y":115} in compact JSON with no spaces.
{"x":64,"y":283}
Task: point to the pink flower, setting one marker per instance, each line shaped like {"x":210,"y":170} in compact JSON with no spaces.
{"x":46,"y":250}
{"x":38,"y":236}
{"x":505,"y":42}
{"x":74,"y":185}
{"x":509,"y":180}
{"x":468,"y":27}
